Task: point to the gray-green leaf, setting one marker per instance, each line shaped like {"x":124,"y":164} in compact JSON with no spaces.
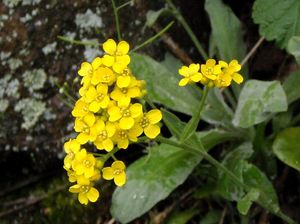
{"x":278,"y":20}
{"x":257,"y":101}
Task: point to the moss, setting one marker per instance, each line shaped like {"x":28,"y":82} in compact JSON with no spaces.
{"x":31,"y":110}
{"x":34,"y":79}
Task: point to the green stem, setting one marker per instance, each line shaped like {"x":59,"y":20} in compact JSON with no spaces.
{"x":151,"y":39}
{"x":220,"y":166}
{"x":187,"y":28}
{"x":192,"y":125}
{"x":72,"y":41}
{"x":116,"y":19}
{"x":110,"y":154}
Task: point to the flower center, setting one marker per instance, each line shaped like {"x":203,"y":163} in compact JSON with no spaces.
{"x":85,"y":109}
{"x":102,"y":135}
{"x":85,"y":128}
{"x":122,"y":134}
{"x":125,"y":112}
{"x":144,"y":122}
{"x":87,"y":163}
{"x":125,"y":72}
{"x":209,"y":70}
{"x":117,"y":171}
{"x":124,"y":90}
{"x":84,"y":189}
{"x":100,"y":97}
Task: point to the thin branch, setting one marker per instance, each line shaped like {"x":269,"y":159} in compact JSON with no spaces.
{"x":252,"y":51}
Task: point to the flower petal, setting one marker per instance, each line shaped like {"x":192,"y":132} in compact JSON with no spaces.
{"x":108,"y":60}
{"x":123,"y":47}
{"x":93,"y":194}
{"x":152,"y":131}
{"x":126,"y":123}
{"x":154,"y":116}
{"x":136,"y":110}
{"x":82,"y":198}
{"x":108,"y":173}
{"x":120,"y":179}
{"x":118,"y":165}
{"x":238,"y":78}
{"x":110,"y":46}
{"x":183,"y":82}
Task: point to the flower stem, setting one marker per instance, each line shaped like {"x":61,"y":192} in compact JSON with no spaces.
{"x":116,"y":19}
{"x":110,"y":154}
{"x":192,"y":125}
{"x":151,"y":39}
{"x":187,"y":28}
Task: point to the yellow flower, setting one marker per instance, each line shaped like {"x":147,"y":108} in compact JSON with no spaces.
{"x":86,"y":71}
{"x":104,"y":134}
{"x":86,"y":192}
{"x":122,"y":137}
{"x":85,"y":129}
{"x":117,"y":55}
{"x":81,"y":109}
{"x":84,"y":164}
{"x":124,"y":95}
{"x":116,"y":172}
{"x":190,"y":74}
{"x":71,"y":148}
{"x":103,"y":75}
{"x":97,"y":97}
{"x":125,"y":115}
{"x":148,"y":123}
{"x":210,"y":70}
{"x":124,"y":79}
{"x":231,"y":70}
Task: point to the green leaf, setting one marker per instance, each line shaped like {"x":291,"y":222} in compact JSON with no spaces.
{"x":235,"y":162}
{"x":245,"y":203}
{"x":287,"y":147}
{"x":258,"y":101}
{"x":256,"y":179}
{"x":162,"y":84}
{"x":277,"y":19}
{"x":181,"y":217}
{"x":293,"y":47}
{"x":250,"y":175}
{"x":153,"y":177}
{"x":291,"y":87}
{"x":226,"y":30}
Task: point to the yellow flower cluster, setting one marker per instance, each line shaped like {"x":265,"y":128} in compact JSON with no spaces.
{"x":108,"y":115}
{"x":211,"y":74}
